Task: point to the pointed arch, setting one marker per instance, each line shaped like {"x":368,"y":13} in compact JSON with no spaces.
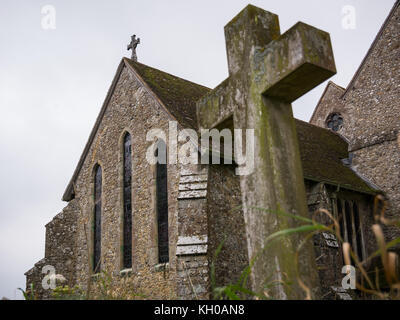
{"x":162,"y":201}
{"x":127,"y":201}
{"x":98,"y":181}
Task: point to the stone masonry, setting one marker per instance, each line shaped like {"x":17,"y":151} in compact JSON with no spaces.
{"x":370,"y":109}
{"x":218,"y":220}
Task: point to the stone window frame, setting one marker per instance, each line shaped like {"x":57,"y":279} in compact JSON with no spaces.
{"x":157,"y":167}
{"x":153,"y":252}
{"x":121,"y":202}
{"x":328,"y":119}
{"x":92,"y":217}
{"x":345,"y":197}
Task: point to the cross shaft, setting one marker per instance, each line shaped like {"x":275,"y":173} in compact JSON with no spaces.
{"x":268,"y":71}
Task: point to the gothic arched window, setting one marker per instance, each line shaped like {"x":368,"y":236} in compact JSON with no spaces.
{"x":334,"y":121}
{"x":127,"y":220}
{"x":350,"y":225}
{"x":162,"y":202}
{"x":97,"y":219}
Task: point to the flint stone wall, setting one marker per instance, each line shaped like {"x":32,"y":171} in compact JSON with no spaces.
{"x":370,"y":108}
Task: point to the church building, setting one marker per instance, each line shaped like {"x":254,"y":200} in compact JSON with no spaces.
{"x":177,"y":230}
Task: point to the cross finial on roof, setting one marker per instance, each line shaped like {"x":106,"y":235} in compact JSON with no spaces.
{"x":132,"y":46}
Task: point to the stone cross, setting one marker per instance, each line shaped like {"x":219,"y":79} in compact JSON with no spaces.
{"x":267,"y":72}
{"x":132,"y":46}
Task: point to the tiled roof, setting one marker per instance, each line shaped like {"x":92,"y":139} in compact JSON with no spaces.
{"x":321,"y":153}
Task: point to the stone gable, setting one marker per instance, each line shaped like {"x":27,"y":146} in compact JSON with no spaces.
{"x":370,"y":109}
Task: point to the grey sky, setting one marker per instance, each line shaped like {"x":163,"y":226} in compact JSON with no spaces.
{"x":53,"y":82}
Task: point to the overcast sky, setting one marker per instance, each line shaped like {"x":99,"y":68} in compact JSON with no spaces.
{"x":53,"y":83}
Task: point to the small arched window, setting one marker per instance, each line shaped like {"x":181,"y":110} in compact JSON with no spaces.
{"x":162,"y":201}
{"x":334,"y":121}
{"x":97,"y":219}
{"x":127,"y":220}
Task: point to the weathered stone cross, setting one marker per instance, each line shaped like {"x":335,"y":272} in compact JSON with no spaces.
{"x":267,"y":72}
{"x":132,"y":46}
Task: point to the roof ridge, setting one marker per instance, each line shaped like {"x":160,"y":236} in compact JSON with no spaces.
{"x":167,"y":73}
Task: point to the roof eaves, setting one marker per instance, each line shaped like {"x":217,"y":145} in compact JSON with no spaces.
{"x":344,"y":186}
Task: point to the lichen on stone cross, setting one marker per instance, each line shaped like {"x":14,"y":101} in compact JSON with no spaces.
{"x":132,"y":46}
{"x":268,"y":71}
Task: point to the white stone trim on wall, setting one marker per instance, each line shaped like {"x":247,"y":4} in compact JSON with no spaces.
{"x":192,"y":185}
{"x":192,"y":245}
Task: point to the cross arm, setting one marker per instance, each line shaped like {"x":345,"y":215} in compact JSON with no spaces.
{"x":295,"y":63}
{"x":215,"y":106}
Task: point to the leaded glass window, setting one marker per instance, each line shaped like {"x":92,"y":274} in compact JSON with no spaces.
{"x":350,"y":225}
{"x":334,"y":122}
{"x":97,"y":219}
{"x":127,"y":220}
{"x":162,"y":202}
